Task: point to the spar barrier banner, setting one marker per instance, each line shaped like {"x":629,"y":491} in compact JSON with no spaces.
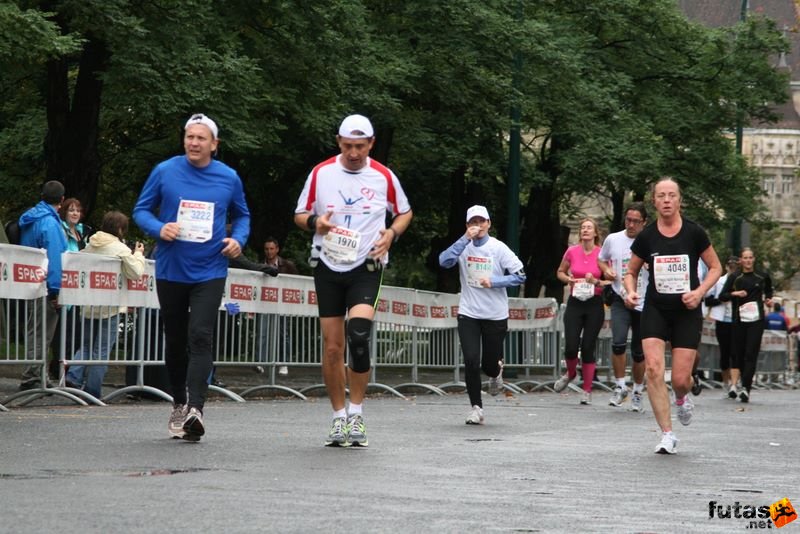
{"x":23,"y":272}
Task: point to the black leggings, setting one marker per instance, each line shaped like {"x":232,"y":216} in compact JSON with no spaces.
{"x":189,"y":336}
{"x":746,"y":346}
{"x":583,"y":320}
{"x":474,"y":335}
{"x":724,"y":332}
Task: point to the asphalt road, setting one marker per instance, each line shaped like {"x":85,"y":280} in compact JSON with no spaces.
{"x":541,"y":463}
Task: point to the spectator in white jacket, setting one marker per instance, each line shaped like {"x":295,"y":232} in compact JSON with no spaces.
{"x":100,"y":322}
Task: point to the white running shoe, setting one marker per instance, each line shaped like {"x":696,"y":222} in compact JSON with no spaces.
{"x":176,"y":417}
{"x":586,"y":398}
{"x":668,"y":445}
{"x":562,"y":382}
{"x":475,"y":417}
{"x":619,"y":396}
{"x":636,"y":402}
{"x":685,"y":411}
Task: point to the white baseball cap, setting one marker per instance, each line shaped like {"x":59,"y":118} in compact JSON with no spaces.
{"x":477,"y":211}
{"x":199,"y":118}
{"x":356,"y":127}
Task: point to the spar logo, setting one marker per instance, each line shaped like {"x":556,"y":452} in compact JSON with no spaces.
{"x":70,"y":279}
{"x":104,"y":280}
{"x":143,"y":283}
{"x":292,"y":296}
{"x":777,"y":514}
{"x":518,"y":314}
{"x":399,"y":308}
{"x":383,"y":305}
{"x":312,"y":297}
{"x":438,"y":312}
{"x":269,"y":294}
{"x":28,"y":274}
{"x":419,"y":310}
{"x":243,"y":292}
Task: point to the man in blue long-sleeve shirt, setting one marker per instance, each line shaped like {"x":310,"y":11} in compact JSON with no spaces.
{"x":185,"y":204}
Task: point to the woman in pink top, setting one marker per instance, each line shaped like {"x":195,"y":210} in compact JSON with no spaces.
{"x":584,"y":315}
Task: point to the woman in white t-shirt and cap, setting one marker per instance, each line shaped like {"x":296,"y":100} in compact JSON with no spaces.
{"x":486,"y":267}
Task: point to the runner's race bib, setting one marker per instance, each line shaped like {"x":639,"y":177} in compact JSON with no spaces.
{"x":671,"y":274}
{"x":196,"y":221}
{"x":748,"y":312}
{"x":478,"y":267}
{"x":582,"y":290}
{"x":340,"y":245}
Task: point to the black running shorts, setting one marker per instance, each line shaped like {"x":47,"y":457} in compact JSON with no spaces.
{"x":338,"y":292}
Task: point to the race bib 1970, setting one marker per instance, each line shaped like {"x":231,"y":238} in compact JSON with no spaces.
{"x":340,"y":245}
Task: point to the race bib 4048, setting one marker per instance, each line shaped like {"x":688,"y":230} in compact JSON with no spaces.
{"x":671,"y":274}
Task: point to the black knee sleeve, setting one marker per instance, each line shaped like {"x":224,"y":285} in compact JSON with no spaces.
{"x":358,"y":336}
{"x":638,"y":358}
{"x":617,"y":350}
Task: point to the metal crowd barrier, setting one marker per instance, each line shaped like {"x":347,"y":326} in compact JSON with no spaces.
{"x":414,"y":330}
{"x":775,"y":364}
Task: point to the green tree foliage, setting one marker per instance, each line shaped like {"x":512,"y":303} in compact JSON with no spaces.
{"x":613,"y":94}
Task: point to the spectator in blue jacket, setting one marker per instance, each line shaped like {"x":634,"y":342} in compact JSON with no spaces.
{"x":40,"y":227}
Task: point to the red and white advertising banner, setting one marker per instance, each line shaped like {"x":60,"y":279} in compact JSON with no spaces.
{"x":94,"y":280}
{"x":89,"y":279}
{"x":527,"y":314}
{"x":256,"y":292}
{"x":23,"y":272}
{"x":141,"y":293}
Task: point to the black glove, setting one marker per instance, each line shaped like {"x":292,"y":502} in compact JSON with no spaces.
{"x":270,"y":270}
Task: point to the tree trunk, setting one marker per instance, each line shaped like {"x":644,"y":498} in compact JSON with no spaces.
{"x":544,"y":239}
{"x":447,"y":279}
{"x":71,"y":145}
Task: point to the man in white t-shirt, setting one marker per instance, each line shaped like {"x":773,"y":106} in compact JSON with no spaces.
{"x":613,"y":261}
{"x":344,"y":202}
